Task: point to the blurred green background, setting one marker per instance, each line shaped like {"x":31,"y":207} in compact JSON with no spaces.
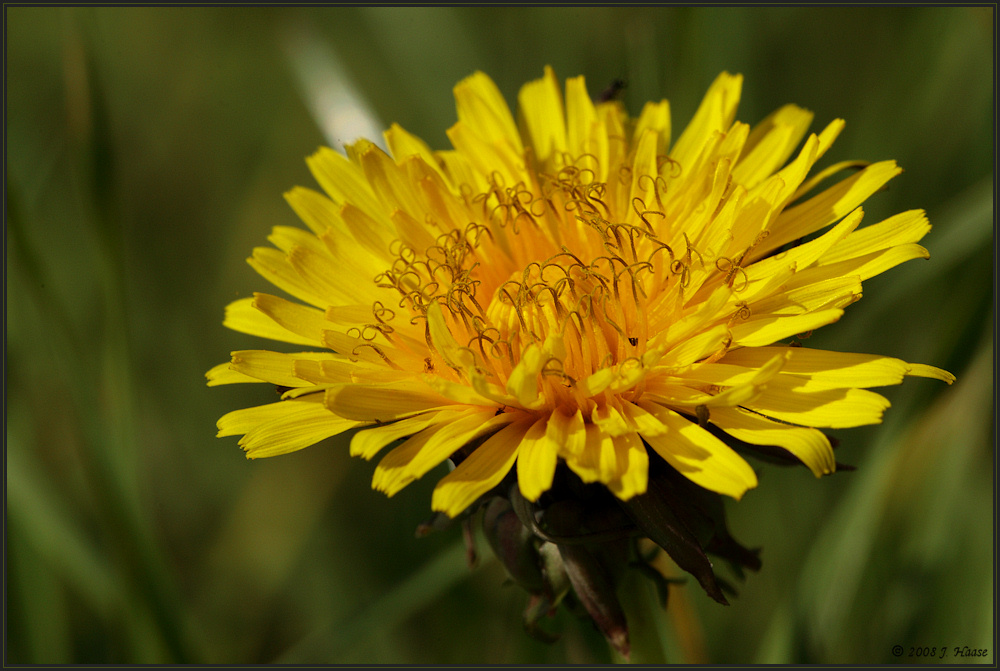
{"x":147,"y":153}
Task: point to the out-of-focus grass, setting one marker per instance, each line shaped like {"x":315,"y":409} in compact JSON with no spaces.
{"x":147,"y":150}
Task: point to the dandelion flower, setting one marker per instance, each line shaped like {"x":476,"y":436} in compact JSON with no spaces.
{"x":572,"y":292}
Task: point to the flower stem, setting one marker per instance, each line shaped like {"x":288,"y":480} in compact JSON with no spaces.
{"x":651,"y":636}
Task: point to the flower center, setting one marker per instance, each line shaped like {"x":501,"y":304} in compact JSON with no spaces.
{"x":566,"y":257}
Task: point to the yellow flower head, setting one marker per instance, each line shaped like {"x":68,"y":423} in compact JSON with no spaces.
{"x":575,"y":286}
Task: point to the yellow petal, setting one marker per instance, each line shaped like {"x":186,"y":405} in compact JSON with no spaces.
{"x":715,"y":114}
{"x":383,"y":403}
{"x":696,"y":222}
{"x":459,"y":392}
{"x":643,"y":421}
{"x":224,"y":374}
{"x":604,"y":450}
{"x":523,"y":381}
{"x":287,"y":238}
{"x":827,"y":207}
{"x":586,"y":462}
{"x":445,"y":207}
{"x":343,"y":181}
{"x":242,"y":316}
{"x":742,"y":385}
{"x":783,"y":399}
{"x":786,"y":116}
{"x":834,"y":292}
{"x":483,"y":109}
{"x":273,"y":367}
{"x":667,"y":391}
{"x":806,"y":254}
{"x":698,"y":347}
{"x":824,"y":174}
{"x":752,"y":388}
{"x":825,"y":369}
{"x":374,"y":235}
{"x":308,"y":323}
{"x":412,"y":232}
{"x":677,"y":332}
{"x":596,"y":383}
{"x":481,"y":471}
{"x":453,"y":436}
{"x":903,"y":228}
{"x":326,"y":273}
{"x":312,"y":371}
{"x":632,"y":477}
{"x":243,"y":420}
{"x":828,"y":370}
{"x":756,"y":332}
{"x":540,"y":108}
{"x":349,"y":315}
{"x":698,"y":455}
{"x":610,"y":420}
{"x":536,"y":461}
{"x":366,"y":444}
{"x":612,"y":119}
{"x":810,"y":446}
{"x":770,"y":144}
{"x":656,"y":117}
{"x":390,"y":183}
{"x":444,"y":342}
{"x":460,"y":170}
{"x":364,"y":372}
{"x":643,"y":184}
{"x":792,"y":175}
{"x":273,"y":265}
{"x":403,"y":145}
{"x":430,"y":447}
{"x":360,"y":349}
{"x":487,"y":158}
{"x":923,"y":370}
{"x":306,"y":426}
{"x":870,"y":265}
{"x":566,"y":430}
{"x":491,"y":391}
{"x":316,"y":210}
{"x":723,"y":373}
{"x":580,"y":117}
{"x":388,"y":472}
